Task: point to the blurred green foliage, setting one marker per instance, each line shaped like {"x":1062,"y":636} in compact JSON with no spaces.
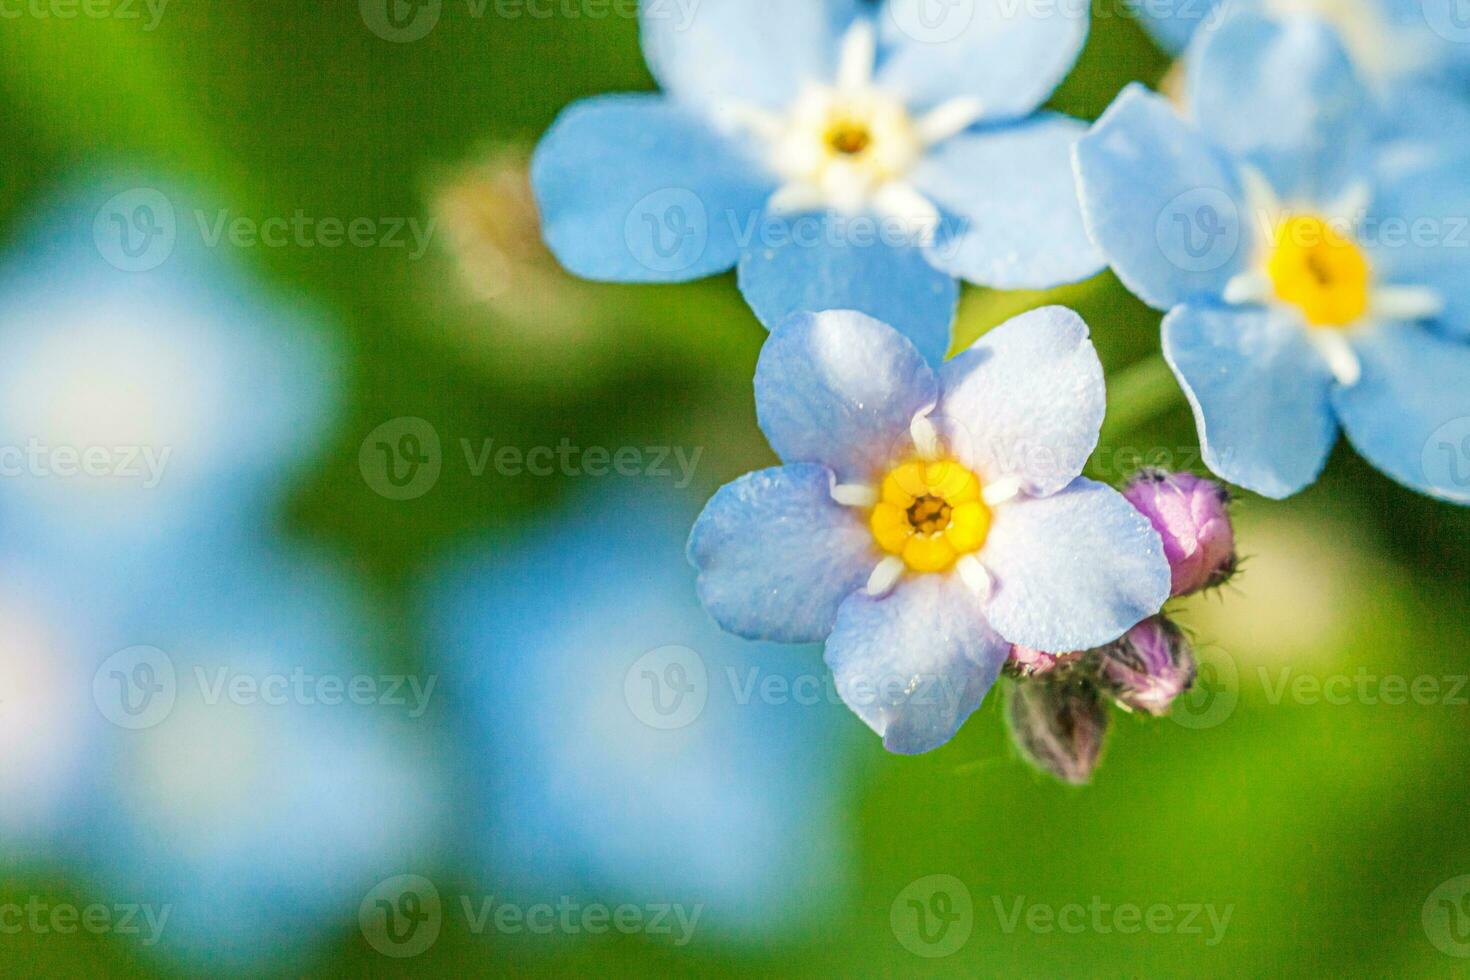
{"x":1323,"y":827}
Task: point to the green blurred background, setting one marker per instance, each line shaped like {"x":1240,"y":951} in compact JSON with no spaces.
{"x":1322,"y":827}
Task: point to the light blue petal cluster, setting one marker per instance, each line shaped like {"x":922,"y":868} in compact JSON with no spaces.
{"x":187,"y":393}
{"x":1074,"y":565}
{"x":1422,"y":42}
{"x":615,"y":746}
{"x":133,"y":607}
{"x":666,"y":188}
{"x":1164,"y":198}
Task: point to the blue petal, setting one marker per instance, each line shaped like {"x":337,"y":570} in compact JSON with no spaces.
{"x":633,"y":188}
{"x":1010,"y":56}
{"x":1074,"y":570}
{"x":835,"y":262}
{"x":841,"y":389}
{"x":776,"y":555}
{"x":1020,"y":226}
{"x":754,"y":51}
{"x":1420,"y":219}
{"x":1163,"y":203}
{"x":1259,"y":390}
{"x":1410,"y":414}
{"x":915,"y":664}
{"x":1425,"y":112}
{"x":1283,"y":96}
{"x":1027,"y":400}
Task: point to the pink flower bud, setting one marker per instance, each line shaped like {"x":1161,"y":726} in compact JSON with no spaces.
{"x":1149,"y":667}
{"x":1192,"y":515}
{"x":1058,"y":724}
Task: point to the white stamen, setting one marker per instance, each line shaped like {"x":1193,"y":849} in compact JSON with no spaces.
{"x":925,"y":436}
{"x":859,"y":55}
{"x":1341,"y":359}
{"x":1248,"y":287}
{"x":1349,"y":206}
{"x":1406,"y":303}
{"x":904,"y":204}
{"x":885,"y":576}
{"x":797,"y":198}
{"x":1006,"y":489}
{"x":975,"y":576}
{"x":855,"y":494}
{"x":949,"y":119}
{"x":1262,"y":204}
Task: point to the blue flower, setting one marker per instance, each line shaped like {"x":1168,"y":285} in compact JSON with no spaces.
{"x":252,"y":781}
{"x":1313,"y":278}
{"x":843,"y":155}
{"x":142,"y":405}
{"x":616,"y":747}
{"x":1391,"y":43}
{"x":926,"y":520}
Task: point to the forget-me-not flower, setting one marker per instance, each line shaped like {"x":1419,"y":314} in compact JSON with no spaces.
{"x":139,"y":405}
{"x":1314,"y":279}
{"x":1391,"y":42}
{"x":617,"y":747}
{"x":844,"y":155}
{"x":259,"y":779}
{"x":926,"y":520}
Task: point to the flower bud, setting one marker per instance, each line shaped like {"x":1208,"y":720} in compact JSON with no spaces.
{"x":1058,"y":723}
{"x":1192,"y":515}
{"x":491,"y":225}
{"x":1149,"y":667}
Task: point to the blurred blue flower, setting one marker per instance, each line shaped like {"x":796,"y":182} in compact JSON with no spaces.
{"x":144,"y":402}
{"x":260,"y":777}
{"x":1314,"y":277}
{"x":925,"y":521}
{"x":843,"y":155}
{"x":616,"y":747}
{"x":1392,"y":43}
{"x":49,"y":727}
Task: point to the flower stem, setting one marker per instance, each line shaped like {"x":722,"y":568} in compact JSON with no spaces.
{"x":1138,"y":395}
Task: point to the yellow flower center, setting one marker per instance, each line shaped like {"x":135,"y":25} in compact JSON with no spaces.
{"x":1319,"y":270}
{"x":930,"y":514}
{"x":848,"y":137}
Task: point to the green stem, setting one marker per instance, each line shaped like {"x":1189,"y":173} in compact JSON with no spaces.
{"x":1138,"y":395}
